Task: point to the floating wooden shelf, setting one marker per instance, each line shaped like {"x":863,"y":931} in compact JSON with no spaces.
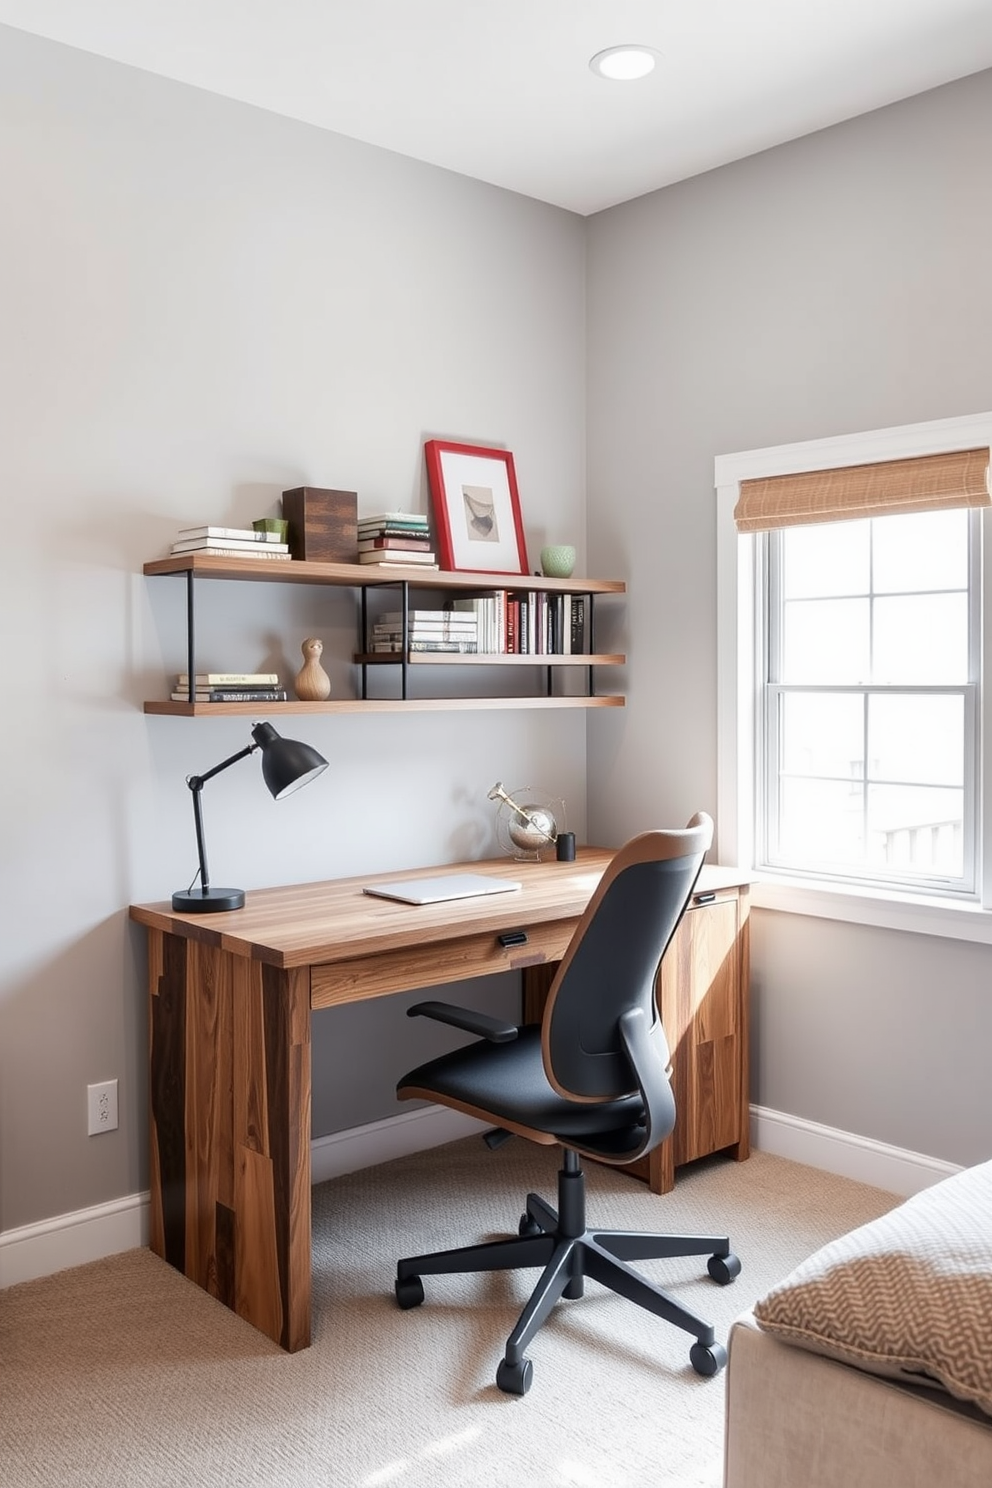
{"x":368,"y":576}
{"x":384,"y":705}
{"x":363,"y":577}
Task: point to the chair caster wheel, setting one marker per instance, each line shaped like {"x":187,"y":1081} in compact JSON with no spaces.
{"x":528,"y":1226}
{"x":723,"y":1269}
{"x":515,"y":1379}
{"x":409,"y":1292}
{"x":707,"y":1359}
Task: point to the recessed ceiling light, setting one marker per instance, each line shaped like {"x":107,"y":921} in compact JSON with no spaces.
{"x":624,"y":64}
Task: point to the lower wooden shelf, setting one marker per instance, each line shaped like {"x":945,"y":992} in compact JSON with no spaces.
{"x":383,"y":705}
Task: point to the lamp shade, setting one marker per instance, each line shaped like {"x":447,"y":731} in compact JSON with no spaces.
{"x":286,"y":763}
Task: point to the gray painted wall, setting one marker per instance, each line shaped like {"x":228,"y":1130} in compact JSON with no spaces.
{"x":203,"y":304}
{"x":834,"y":284}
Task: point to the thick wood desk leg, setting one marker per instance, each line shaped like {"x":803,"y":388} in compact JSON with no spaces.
{"x":230,"y":1130}
{"x":661,"y":1167}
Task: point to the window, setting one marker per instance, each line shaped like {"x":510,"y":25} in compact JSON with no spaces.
{"x":853,"y":729}
{"x":867,"y":665}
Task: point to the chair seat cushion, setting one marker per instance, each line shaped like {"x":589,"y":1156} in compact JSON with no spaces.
{"x":507,"y":1082}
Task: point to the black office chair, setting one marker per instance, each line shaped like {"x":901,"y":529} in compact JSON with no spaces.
{"x":593,"y":1078}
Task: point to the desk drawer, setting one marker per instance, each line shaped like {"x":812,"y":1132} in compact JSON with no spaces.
{"x":432,"y":966}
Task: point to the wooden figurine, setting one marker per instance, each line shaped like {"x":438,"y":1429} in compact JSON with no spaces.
{"x":312,"y":684}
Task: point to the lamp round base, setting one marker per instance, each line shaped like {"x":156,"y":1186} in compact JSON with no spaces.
{"x":209,"y":901}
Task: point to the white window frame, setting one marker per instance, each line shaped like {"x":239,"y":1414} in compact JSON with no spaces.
{"x":737,"y":687}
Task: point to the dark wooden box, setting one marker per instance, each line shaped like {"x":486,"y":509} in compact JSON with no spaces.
{"x":323,"y":525}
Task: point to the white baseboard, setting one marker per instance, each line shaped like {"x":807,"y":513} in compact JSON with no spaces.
{"x":381,"y":1141}
{"x":895,"y":1169}
{"x":90,"y":1234}
{"x":73,"y":1239}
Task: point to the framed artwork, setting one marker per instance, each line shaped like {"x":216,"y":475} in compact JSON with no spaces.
{"x":476,"y":508}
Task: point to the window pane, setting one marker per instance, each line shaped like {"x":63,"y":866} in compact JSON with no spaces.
{"x":928,"y":550}
{"x":827,"y":558}
{"x":821,"y":824}
{"x":916,"y":740}
{"x":823,"y":734}
{"x":916,"y":830}
{"x":870,"y":698}
{"x":825,"y":640}
{"x":922,"y":639}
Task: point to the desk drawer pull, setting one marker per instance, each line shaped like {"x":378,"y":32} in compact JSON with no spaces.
{"x":704,"y":898}
{"x":508,"y":938}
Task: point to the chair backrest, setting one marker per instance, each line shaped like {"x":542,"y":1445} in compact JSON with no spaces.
{"x":611,"y":964}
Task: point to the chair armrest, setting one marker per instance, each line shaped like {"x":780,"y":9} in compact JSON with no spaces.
{"x":493,"y":1029}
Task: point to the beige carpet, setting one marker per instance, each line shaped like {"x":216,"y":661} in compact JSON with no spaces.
{"x":121,"y":1374}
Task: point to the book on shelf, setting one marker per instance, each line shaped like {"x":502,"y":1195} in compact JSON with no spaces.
{"x":394,"y":642}
{"x":257,"y":555}
{"x":426,"y":623}
{"x":400,"y":534}
{"x":405,"y":520}
{"x":230,"y":679}
{"x":384,"y":542}
{"x":578,"y":625}
{"x":433,"y":633}
{"x":233,"y":695}
{"x":408,"y":560}
{"x":395,"y":647}
{"x":227,"y":534}
{"x":465,"y":619}
{"x":229,"y":545}
{"x":564,"y":613}
{"x":408,"y":539}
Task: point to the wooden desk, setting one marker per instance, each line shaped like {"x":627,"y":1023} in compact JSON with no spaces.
{"x":230,"y":997}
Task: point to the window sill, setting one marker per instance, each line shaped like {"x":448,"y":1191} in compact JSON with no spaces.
{"x":888,"y":910}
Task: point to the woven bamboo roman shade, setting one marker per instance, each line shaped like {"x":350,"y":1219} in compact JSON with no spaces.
{"x":927,"y":483}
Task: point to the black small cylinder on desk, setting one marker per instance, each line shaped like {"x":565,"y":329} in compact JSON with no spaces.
{"x":565,"y":847}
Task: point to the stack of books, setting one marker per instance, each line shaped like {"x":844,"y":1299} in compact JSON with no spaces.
{"x":427,"y":630}
{"x":532,"y":623}
{"x":229,"y":542}
{"x":395,"y":539}
{"x":230,"y":687}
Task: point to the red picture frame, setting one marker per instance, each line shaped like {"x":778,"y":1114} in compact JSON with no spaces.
{"x":476,"y":505}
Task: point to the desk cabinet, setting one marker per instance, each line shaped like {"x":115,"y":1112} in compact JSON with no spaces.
{"x":704,"y":1000}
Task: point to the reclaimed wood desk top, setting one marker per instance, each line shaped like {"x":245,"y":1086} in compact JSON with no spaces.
{"x":311,"y":923}
{"x":315,"y":923}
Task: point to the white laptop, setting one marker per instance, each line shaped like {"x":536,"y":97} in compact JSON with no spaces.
{"x":434,"y":890}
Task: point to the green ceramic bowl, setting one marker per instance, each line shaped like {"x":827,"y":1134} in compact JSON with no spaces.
{"x":558,"y":561}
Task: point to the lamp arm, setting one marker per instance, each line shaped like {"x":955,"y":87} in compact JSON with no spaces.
{"x":193,"y":781}
{"x":196,"y":784}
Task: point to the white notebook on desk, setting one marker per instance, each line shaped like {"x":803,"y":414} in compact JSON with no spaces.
{"x":442,"y":886}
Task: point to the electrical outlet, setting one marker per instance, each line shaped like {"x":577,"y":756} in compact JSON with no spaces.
{"x":102,"y":1107}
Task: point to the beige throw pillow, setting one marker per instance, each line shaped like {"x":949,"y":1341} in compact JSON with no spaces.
{"x":908,"y":1295}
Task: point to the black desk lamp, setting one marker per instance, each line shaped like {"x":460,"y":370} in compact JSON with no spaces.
{"x":286,"y":765}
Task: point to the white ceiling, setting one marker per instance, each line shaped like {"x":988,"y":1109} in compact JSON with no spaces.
{"x":501,"y":89}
